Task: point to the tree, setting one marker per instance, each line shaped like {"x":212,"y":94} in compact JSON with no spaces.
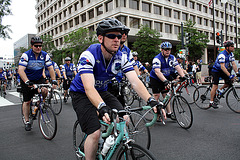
{"x":78,"y":41}
{"x":4,"y":11}
{"x":197,"y":42}
{"x":147,"y":43}
{"x":48,"y":45}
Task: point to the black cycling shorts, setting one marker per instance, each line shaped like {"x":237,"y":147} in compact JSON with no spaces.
{"x":28,"y":93}
{"x":158,"y":86}
{"x":87,"y":112}
{"x":217,"y":75}
{"x":66,"y":84}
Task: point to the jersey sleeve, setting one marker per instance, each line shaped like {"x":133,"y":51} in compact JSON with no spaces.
{"x":156,"y":63}
{"x":126,"y":64}
{"x":23,"y":60}
{"x":48,"y":61}
{"x":175,"y":62}
{"x":74,"y":67}
{"x":55,"y":66}
{"x":221,"y":58}
{"x":86,"y":62}
{"x":231,"y":58}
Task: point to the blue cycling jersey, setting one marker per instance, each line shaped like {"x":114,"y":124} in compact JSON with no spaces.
{"x":139,"y":65}
{"x":166,"y":65}
{"x":34,"y":67}
{"x":69,"y":70}
{"x":2,"y":75}
{"x":55,"y":66}
{"x":92,"y":61}
{"x":223,"y":57}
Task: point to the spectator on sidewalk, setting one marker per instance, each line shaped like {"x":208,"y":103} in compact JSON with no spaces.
{"x":194,"y":66}
{"x":198,"y":72}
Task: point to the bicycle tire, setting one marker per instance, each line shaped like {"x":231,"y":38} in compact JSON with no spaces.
{"x":47,"y":122}
{"x":56,"y":103}
{"x":201,"y":97}
{"x":78,"y":140}
{"x":186,"y":92}
{"x":134,"y":151}
{"x":138,"y":130}
{"x":182,"y":111}
{"x":233,"y":99}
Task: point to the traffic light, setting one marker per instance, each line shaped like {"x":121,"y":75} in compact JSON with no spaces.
{"x":188,"y":38}
{"x":218,"y":38}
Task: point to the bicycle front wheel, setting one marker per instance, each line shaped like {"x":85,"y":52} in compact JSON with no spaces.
{"x":201,"y":97}
{"x":233,"y":99}
{"x":78,"y":141}
{"x":56,"y":103}
{"x":47,"y":122}
{"x":183,"y":112}
{"x":133,"y":151}
{"x":138,"y":130}
{"x":187,"y":92}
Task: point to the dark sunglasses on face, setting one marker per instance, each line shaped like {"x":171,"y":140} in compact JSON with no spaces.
{"x":231,"y":46}
{"x":113,"y":36}
{"x":36,"y":46}
{"x":166,"y":49}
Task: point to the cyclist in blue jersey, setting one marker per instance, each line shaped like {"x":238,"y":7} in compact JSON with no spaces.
{"x":3,"y":79}
{"x":139,"y":64}
{"x":30,"y":69}
{"x":9,"y":76}
{"x":164,"y":66}
{"x":69,"y":72}
{"x":46,"y":73}
{"x":221,"y":69}
{"x":97,"y":66}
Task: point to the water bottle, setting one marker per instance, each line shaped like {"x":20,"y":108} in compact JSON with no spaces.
{"x":166,"y":98}
{"x":34,"y":110}
{"x":108,"y":143}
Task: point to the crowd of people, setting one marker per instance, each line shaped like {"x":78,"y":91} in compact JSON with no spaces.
{"x":90,"y":82}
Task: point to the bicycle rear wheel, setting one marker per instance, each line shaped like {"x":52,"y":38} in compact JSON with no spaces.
{"x":134,"y":151}
{"x":182,"y":111}
{"x":47,"y":122}
{"x":201,"y":97}
{"x":78,"y":141}
{"x":138,"y":130}
{"x":187,"y":92}
{"x":233,"y":99}
{"x":56,"y":103}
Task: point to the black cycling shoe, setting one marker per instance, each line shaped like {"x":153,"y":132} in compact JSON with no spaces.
{"x":214,"y":105}
{"x":28,"y":126}
{"x":171,"y":115}
{"x":65,"y":100}
{"x":5,"y":93}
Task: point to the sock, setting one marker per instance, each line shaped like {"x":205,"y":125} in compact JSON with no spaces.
{"x":211,"y":101}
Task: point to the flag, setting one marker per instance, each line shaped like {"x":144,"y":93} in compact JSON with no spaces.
{"x":210,"y":3}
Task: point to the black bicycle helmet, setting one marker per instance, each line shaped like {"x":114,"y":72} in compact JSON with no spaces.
{"x":228,"y":43}
{"x":108,"y":25}
{"x":126,"y":29}
{"x":36,"y":40}
{"x":68,"y":59}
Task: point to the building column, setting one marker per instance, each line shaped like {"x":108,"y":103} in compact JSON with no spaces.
{"x":205,"y":56}
{"x":127,"y":3}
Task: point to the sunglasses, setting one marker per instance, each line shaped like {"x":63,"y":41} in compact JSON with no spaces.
{"x":36,"y":46}
{"x":231,"y":46}
{"x":113,"y":36}
{"x":166,"y":49}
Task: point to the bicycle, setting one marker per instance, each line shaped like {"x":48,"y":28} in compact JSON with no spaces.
{"x":180,"y":106}
{"x":46,"y":117}
{"x":54,"y":100}
{"x":202,"y":97}
{"x":2,"y":89}
{"x":9,"y":84}
{"x":126,"y":147}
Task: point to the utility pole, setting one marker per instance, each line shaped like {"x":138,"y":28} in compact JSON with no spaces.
{"x":214,"y":37}
{"x":236,"y":22}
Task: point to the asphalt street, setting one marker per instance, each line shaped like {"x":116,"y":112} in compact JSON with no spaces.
{"x":215,"y":134}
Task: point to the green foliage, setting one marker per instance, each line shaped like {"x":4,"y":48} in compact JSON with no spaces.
{"x":198,"y":41}
{"x":237,"y":53}
{"x":147,"y":43}
{"x":78,"y":41}
{"x":4,"y":11}
{"x":48,"y":44}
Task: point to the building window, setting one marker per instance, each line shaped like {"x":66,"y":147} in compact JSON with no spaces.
{"x":199,"y":20}
{"x":205,"y":8}
{"x":59,"y":3}
{"x":55,"y":18}
{"x":184,"y":16}
{"x":211,"y":23}
{"x":192,"y":17}
{"x":157,"y":9}
{"x":91,"y":29}
{"x":122,"y":3}
{"x":176,"y":29}
{"x":91,"y":14}
{"x":211,"y":11}
{"x":71,"y":23}
{"x":83,"y":17}
{"x":60,"y":16}
{"x":221,"y":13}
{"x":65,"y":26}
{"x":56,"y":42}
{"x":205,"y":21}
{"x":167,"y":12}
{"x":52,"y":33}
{"x":56,"y":31}
{"x":176,"y":14}
{"x":122,"y":19}
{"x":176,"y":1}
{"x":158,"y":26}
{"x":168,"y":28}
{"x":60,"y":28}
{"x":76,"y":19}
{"x":147,"y":23}
{"x":217,"y":25}
{"x":134,"y":4}
{"x":199,"y":7}
{"x":109,"y":6}
{"x":191,"y":4}
{"x":65,"y":13}
{"x":76,"y":6}
{"x":184,"y":3}
{"x":134,"y":22}
{"x":61,"y":41}
{"x":99,"y":10}
{"x":70,"y":9}
{"x":146,"y":7}
{"x":81,"y":2}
